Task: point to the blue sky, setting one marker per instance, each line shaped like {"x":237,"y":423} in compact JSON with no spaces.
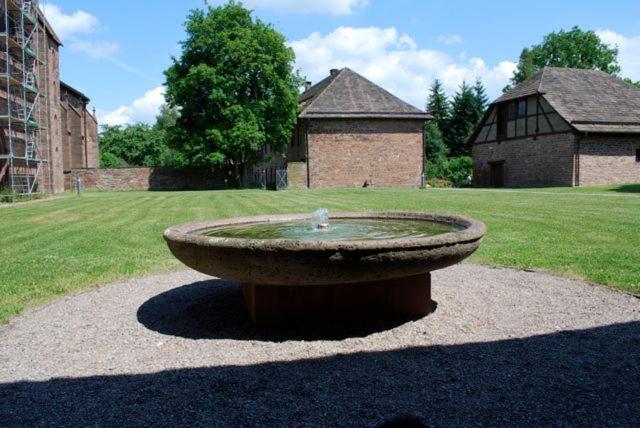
{"x":115,"y":51}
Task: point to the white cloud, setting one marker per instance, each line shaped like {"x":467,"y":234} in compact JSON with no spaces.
{"x":450,"y":39}
{"x":395,"y":62}
{"x":333,"y":7}
{"x":144,"y":109}
{"x":65,"y":25}
{"x":628,"y":51}
{"x":96,"y":50}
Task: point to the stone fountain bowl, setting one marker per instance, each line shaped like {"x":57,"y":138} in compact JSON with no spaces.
{"x":287,"y":262}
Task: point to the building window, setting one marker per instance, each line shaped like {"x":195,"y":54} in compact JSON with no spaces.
{"x":513,"y":110}
{"x":522,"y":108}
{"x":637,"y":155}
{"x":502,"y":118}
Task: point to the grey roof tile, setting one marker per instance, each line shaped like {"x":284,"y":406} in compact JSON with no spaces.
{"x":590,"y":100}
{"x":348,"y":94}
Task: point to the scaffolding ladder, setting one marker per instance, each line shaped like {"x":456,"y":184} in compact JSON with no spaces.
{"x":22,"y":105}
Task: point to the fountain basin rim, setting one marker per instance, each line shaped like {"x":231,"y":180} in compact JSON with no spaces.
{"x":192,"y":233}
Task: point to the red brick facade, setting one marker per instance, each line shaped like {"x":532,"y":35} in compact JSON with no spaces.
{"x":608,"y":160}
{"x":566,"y":159}
{"x":325,"y":153}
{"x":561,"y":127}
{"x":54,"y":181}
{"x":353,"y":133}
{"x":149,"y":179}
{"x":79,"y":130}
{"x":350,"y":153}
{"x":547,"y":160}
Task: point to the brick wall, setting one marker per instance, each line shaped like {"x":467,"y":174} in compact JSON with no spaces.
{"x":347,"y":153}
{"x":545,"y":161}
{"x":54,"y":123}
{"x":93,"y":141}
{"x":80,"y":139}
{"x":149,"y":179}
{"x":608,"y":160}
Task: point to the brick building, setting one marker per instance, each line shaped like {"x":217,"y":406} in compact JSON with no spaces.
{"x":562,"y":127}
{"x":33,"y":154}
{"x":352,"y":133}
{"x":79,"y":130}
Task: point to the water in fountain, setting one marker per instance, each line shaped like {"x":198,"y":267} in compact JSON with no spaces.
{"x":320,"y":219}
{"x":342,"y":229}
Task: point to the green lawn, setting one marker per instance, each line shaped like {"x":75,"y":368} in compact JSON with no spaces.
{"x":50,"y":248}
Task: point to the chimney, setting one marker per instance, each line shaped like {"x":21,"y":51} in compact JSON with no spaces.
{"x":307,"y":85}
{"x":334,"y":71}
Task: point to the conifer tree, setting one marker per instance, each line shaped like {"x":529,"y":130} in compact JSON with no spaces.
{"x":481,"y":99}
{"x":438,"y":104}
{"x":464,"y":116}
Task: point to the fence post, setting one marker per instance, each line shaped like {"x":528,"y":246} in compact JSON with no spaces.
{"x":79,"y":187}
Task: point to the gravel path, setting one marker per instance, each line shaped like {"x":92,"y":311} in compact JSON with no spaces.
{"x":503,"y":347}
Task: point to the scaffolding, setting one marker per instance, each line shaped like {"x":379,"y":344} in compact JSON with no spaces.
{"x":23,"y":155}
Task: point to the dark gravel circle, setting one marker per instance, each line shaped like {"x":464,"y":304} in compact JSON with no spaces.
{"x":504,"y":347}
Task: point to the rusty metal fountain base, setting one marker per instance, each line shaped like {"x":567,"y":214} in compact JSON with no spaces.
{"x":407,"y":297}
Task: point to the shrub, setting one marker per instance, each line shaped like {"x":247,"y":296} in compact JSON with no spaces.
{"x":455,"y":170}
{"x":459,"y":169}
{"x":109,"y":160}
{"x":438,"y":182}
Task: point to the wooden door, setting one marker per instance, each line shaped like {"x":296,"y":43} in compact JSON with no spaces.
{"x":497,"y":174}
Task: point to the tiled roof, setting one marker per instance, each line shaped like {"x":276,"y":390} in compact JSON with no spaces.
{"x":346,"y":94}
{"x":74,"y":91}
{"x":590,"y":100}
{"x":530,"y":86}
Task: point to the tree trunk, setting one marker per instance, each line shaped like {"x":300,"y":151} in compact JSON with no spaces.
{"x":238,"y":173}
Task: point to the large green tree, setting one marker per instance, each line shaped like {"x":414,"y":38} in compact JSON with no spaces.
{"x":525,"y":68}
{"x":575,"y":48}
{"x":167,"y":118}
{"x":632,"y":83}
{"x":133,"y":145}
{"x":140,"y":144}
{"x":235,"y":87}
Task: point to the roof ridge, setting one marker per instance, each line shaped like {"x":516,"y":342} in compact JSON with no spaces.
{"x":383,"y":89}
{"x":542,"y":75}
{"x":323,"y":90}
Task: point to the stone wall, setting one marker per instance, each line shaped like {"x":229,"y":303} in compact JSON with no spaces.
{"x":348,"y":153}
{"x":547,"y":160}
{"x":149,"y":179}
{"x":297,"y":175}
{"x":608,"y":160}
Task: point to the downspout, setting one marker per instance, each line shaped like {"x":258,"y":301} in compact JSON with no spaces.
{"x":306,"y":144}
{"x":423,"y":179}
{"x":86,"y":146}
{"x":576,"y":163}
